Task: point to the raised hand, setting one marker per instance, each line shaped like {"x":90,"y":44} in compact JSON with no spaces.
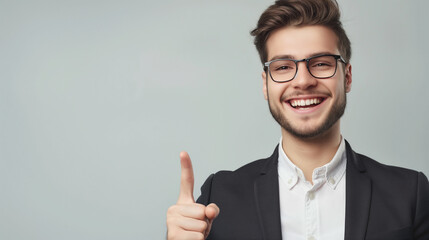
{"x":187,"y":219}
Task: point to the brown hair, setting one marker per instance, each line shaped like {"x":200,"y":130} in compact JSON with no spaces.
{"x":300,"y":13}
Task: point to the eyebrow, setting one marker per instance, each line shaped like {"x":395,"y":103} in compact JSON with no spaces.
{"x":286,"y":56}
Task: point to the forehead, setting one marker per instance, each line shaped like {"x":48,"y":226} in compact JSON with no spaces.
{"x":301,"y":42}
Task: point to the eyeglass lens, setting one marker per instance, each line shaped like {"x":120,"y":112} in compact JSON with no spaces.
{"x":319,"y":67}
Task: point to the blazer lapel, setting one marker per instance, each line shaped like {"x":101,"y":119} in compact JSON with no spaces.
{"x":358,"y":197}
{"x":266,"y":190}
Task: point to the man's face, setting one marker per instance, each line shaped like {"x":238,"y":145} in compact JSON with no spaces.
{"x":327,"y":97}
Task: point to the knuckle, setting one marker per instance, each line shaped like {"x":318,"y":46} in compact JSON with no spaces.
{"x":172,"y":209}
{"x":200,"y":226}
{"x":203,"y":226}
{"x":171,"y":234}
{"x":200,"y":236}
{"x":170,"y":221}
{"x":201,"y":209}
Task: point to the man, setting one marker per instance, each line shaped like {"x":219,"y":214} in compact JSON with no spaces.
{"x":314,"y":186}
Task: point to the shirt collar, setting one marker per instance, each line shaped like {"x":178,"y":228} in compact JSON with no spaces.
{"x":331,"y":172}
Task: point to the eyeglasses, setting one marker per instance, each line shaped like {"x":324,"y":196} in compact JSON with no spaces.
{"x":320,"y":66}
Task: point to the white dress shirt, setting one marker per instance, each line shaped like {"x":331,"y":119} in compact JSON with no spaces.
{"x":313,"y":212}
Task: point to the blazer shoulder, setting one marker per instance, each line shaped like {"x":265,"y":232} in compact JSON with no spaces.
{"x":384,"y":170}
{"x":231,"y":181}
{"x":244,"y":173}
{"x":252,"y":169}
{"x":393,"y":178}
{"x":237,"y":180}
{"x":375,"y":169}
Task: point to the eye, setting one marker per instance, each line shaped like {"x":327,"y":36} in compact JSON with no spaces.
{"x":321,"y":64}
{"x":282,"y":66}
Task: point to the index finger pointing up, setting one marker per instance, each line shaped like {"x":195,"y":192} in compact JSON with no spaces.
{"x":186,"y":180}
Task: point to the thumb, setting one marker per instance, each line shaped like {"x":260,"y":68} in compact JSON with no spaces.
{"x":212,"y":211}
{"x":186,"y":194}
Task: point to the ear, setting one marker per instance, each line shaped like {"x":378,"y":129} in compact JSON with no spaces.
{"x":264,"y":84}
{"x":348,"y":77}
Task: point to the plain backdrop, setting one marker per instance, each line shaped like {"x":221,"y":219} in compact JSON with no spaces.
{"x":97,"y":99}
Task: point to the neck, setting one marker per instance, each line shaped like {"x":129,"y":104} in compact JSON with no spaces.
{"x":311,"y":153}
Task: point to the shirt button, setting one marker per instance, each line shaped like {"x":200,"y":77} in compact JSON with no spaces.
{"x":311,"y":238}
{"x":310,"y":195}
{"x":289,"y":181}
{"x":332,"y":181}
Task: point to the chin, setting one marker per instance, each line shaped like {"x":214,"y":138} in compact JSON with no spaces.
{"x":306,"y":133}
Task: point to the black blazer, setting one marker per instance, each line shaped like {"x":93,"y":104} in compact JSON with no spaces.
{"x":382,"y":202}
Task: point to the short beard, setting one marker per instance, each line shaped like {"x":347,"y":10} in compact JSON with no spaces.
{"x":335,"y":114}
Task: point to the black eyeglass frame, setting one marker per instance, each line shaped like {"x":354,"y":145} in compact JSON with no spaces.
{"x":307,"y":60}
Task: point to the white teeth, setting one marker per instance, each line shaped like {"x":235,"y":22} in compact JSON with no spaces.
{"x":304,"y":103}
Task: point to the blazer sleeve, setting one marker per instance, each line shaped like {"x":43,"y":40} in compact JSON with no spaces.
{"x":206,"y":189}
{"x":421,"y":220}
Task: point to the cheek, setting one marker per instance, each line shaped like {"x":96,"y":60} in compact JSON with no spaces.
{"x":338,"y":87}
{"x":276,"y":90}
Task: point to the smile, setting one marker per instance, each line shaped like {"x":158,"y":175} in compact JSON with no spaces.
{"x":305,"y":103}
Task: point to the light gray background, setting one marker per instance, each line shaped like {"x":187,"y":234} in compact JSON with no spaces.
{"x":97,"y":99}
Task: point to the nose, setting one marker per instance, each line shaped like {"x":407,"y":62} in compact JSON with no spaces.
{"x":303,"y":78}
